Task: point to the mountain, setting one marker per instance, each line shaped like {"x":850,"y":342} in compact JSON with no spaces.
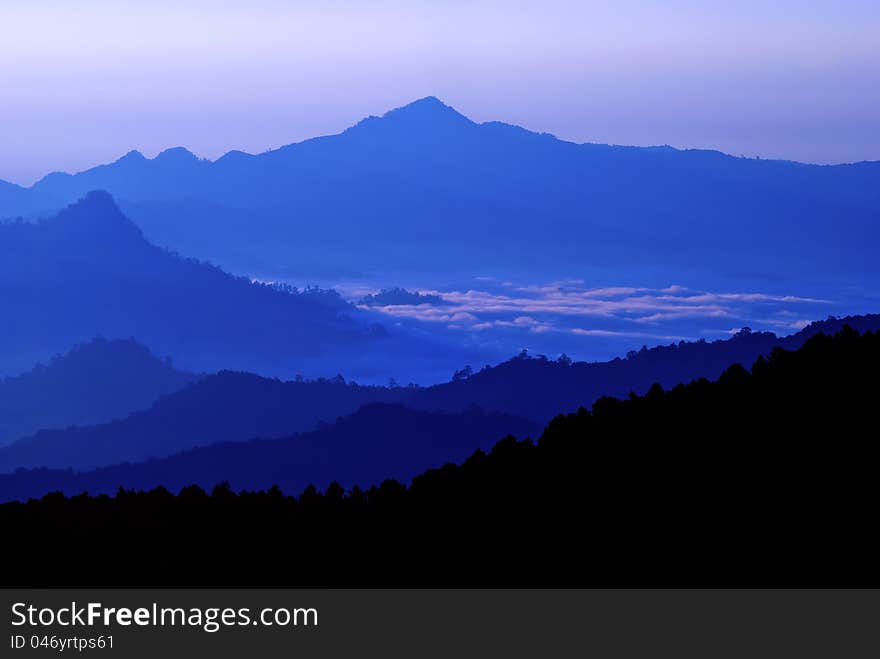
{"x":425,"y":190}
{"x":375,"y":443}
{"x":763,"y":478}
{"x":88,"y":270}
{"x":539,"y":389}
{"x":17,"y":201}
{"x":231,"y":406}
{"x":224,"y":407}
{"x":12,"y":197}
{"x":93,"y":383}
{"x":132,"y":176}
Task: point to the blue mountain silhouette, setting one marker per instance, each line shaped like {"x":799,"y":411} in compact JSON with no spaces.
{"x":425,"y":187}
{"x":375,"y":443}
{"x":93,"y":383}
{"x":228,"y":406}
{"x":232,"y":406}
{"x":89,"y":271}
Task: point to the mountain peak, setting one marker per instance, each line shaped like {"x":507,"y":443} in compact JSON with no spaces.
{"x":132,"y":156}
{"x":425,"y":118}
{"x":97,"y":200}
{"x":425,"y":102}
{"x":98,"y":213}
{"x":429,"y":108}
{"x":176,"y":154}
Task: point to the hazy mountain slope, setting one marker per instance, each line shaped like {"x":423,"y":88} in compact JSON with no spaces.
{"x":373,"y":444}
{"x":93,"y":383}
{"x":13,"y":198}
{"x":90,"y":271}
{"x":239,"y":406}
{"x":16,"y":201}
{"x":400,"y":191}
{"x":224,"y":407}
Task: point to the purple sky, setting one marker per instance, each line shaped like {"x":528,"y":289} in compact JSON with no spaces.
{"x":83,"y":82}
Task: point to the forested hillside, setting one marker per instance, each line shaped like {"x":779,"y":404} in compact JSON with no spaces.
{"x":764,"y":477}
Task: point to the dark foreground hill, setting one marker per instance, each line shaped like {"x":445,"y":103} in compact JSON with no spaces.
{"x":93,"y":383}
{"x":377,"y":442}
{"x":761,"y":478}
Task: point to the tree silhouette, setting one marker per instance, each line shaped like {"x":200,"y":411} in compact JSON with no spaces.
{"x":763,"y":477}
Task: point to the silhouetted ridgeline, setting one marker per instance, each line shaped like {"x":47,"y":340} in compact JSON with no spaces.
{"x":16,"y":200}
{"x":761,"y":478}
{"x":89,"y":271}
{"x":93,"y":383}
{"x":377,"y":442}
{"x":415,"y":181}
{"x":539,"y":388}
{"x":233,"y":406}
{"x":224,"y":407}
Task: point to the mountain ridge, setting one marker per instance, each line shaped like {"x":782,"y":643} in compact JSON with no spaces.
{"x":89,"y":270}
{"x":424,"y":108}
{"x":94,"y":382}
{"x":764,"y":476}
{"x":418,"y":178}
{"x":375,"y":442}
{"x":235,"y":406}
{"x":427,"y":114}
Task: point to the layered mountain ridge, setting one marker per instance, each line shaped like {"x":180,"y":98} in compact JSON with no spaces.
{"x":234,"y":406}
{"x":89,"y":271}
{"x":420,"y":177}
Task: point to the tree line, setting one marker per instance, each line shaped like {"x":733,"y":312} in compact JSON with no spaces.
{"x":763,"y":477}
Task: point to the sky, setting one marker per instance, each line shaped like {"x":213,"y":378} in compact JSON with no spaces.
{"x":82,"y":83}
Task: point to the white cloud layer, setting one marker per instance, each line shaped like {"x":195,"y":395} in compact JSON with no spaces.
{"x":570,"y":307}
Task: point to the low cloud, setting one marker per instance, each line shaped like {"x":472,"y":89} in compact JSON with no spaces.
{"x":616,"y":311}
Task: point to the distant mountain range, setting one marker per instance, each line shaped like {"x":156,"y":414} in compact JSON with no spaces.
{"x":88,"y":271}
{"x":233,"y":406}
{"x":93,"y":383}
{"x":419,"y":192}
{"x":424,"y":189}
{"x":227,"y":406}
{"x":375,"y":443}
